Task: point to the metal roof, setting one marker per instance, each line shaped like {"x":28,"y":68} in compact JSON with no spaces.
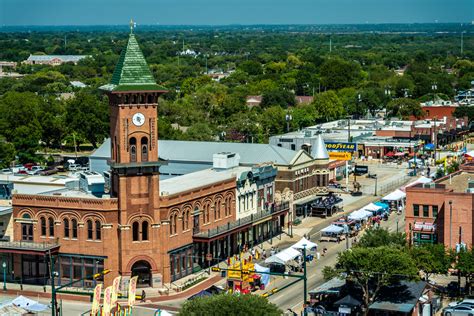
{"x":400,"y":297}
{"x":64,"y":58}
{"x":132,"y":72}
{"x":332,"y":286}
{"x":195,"y":151}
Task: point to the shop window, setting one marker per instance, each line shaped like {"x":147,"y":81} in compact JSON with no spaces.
{"x":66,"y":228}
{"x":435,"y":211}
{"x":135,"y":231}
{"x":98,"y":230}
{"x":416,"y":210}
{"x":90,"y":230}
{"x":145,"y":230}
{"x":74,"y":228}
{"x":51,"y":226}
{"x":43,"y":226}
{"x":426,"y":210}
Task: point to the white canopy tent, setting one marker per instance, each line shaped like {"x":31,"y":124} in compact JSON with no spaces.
{"x":396,"y":195}
{"x":360,"y":215}
{"x":283,"y":256}
{"x":304,"y":242}
{"x":332,"y":229}
{"x":371,"y":207}
{"x":421,"y":180}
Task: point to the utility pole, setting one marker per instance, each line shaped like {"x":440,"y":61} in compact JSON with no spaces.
{"x":53,"y":286}
{"x":459,"y":274}
{"x":450,"y":222}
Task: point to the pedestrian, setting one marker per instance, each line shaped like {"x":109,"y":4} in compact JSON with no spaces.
{"x":252,"y":252}
{"x":325,"y":250}
{"x":272,"y":251}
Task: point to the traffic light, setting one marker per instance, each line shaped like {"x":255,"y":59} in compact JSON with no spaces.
{"x":245,"y":272}
{"x":102,"y":273}
{"x":215,"y":269}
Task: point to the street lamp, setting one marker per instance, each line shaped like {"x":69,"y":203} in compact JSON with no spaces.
{"x":305,"y":279}
{"x":288,"y":118}
{"x":4,"y":266}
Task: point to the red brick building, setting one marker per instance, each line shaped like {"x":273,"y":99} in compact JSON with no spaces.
{"x":158,"y":230}
{"x":443,"y":211}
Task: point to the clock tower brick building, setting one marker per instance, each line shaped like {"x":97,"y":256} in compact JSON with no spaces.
{"x":158,"y":230}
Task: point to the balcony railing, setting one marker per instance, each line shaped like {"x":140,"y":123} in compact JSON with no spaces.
{"x":28,"y":245}
{"x":243,"y":221}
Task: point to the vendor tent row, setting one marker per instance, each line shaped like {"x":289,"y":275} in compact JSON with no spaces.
{"x":291,"y":253}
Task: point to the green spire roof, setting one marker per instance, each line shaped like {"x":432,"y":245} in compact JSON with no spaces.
{"x":132,"y":72}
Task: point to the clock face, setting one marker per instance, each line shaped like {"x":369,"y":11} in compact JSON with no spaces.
{"x":138,"y":119}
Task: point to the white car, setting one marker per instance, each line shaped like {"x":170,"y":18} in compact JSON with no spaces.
{"x":35,"y":170}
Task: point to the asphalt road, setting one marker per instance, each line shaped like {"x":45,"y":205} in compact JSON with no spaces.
{"x":292,"y":297}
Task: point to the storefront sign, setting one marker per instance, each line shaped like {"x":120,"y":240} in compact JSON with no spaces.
{"x":340,"y":155}
{"x":336,"y":146}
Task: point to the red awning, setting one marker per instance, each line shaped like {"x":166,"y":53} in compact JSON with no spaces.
{"x":389,"y":154}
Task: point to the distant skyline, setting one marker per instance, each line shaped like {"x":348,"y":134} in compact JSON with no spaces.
{"x":225,"y":12}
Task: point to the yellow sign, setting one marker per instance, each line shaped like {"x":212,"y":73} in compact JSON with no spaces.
{"x":242,"y":272}
{"x":132,"y":290}
{"x":96,"y":300}
{"x":340,"y":155}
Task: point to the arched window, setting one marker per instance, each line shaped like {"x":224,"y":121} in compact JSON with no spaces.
{"x":43,"y":226}
{"x":173,"y":224}
{"x":51,"y":226}
{"x":90,"y":230}
{"x":144,"y":144}
{"x":218,"y":209}
{"x":66,"y":228}
{"x":98,"y":230}
{"x":144,"y":230}
{"x":135,"y":231}
{"x":74,"y":228}
{"x":133,"y":149}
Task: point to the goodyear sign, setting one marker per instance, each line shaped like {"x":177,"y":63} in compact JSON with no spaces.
{"x":340,"y":155}
{"x":336,"y":146}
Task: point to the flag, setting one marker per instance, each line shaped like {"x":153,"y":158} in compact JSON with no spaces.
{"x":132,"y":290}
{"x":115,"y":289}
{"x":96,"y":299}
{"x":107,"y":301}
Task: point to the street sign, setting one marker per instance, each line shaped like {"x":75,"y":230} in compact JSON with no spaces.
{"x":340,"y":155}
{"x":361,"y":169}
{"x":337,"y":146}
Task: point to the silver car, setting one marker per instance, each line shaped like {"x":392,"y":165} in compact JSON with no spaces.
{"x":458,"y":310}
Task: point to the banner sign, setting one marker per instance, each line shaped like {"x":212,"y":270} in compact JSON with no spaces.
{"x":107,"y":301}
{"x":336,"y":146}
{"x":132,"y":290}
{"x":340,"y":155}
{"x":96,"y":300}
{"x":115,"y":289}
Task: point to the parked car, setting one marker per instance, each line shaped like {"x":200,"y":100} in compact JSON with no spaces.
{"x":6,"y":171}
{"x":458,"y":310}
{"x":48,"y":171}
{"x":35,"y":170}
{"x":19,"y":169}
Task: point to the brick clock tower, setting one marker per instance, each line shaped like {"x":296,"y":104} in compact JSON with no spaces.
{"x":133,"y":99}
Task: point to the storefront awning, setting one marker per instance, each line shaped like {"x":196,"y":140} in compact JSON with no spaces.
{"x":425,"y":227}
{"x":28,"y":247}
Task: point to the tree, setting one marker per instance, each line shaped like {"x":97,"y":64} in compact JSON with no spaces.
{"x":279,"y":97}
{"x":377,"y":237}
{"x":272,"y":121}
{"x":431,"y":259}
{"x":227,"y":304}
{"x":88,"y":116}
{"x":373,"y":98}
{"x":404,"y":108}
{"x":464,"y":110}
{"x":465,"y":263}
{"x":372,"y":268}
{"x":337,"y":73}
{"x":7,"y":153}
{"x":328,"y":106}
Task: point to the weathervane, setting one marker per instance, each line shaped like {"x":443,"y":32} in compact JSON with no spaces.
{"x":132,"y":25}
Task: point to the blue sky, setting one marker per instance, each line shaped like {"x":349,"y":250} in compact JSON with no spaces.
{"x":223,"y":12}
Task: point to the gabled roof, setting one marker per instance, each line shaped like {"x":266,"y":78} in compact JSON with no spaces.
{"x":194,"y":151}
{"x":132,"y":72}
